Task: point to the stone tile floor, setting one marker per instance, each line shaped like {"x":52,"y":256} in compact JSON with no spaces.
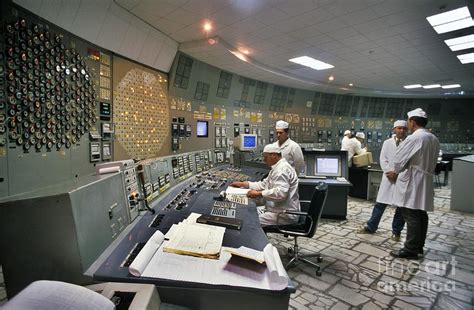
{"x":359,"y":273}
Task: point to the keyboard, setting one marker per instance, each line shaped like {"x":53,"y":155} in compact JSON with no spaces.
{"x":240,"y":199}
{"x":224,"y":209}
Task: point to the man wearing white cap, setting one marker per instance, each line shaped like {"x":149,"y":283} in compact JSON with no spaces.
{"x":353,"y":147}
{"x":386,"y":189}
{"x":279,"y":189}
{"x":413,"y":168}
{"x":345,"y":140}
{"x":290,"y":150}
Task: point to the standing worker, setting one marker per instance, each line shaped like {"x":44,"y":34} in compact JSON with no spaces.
{"x":414,"y":165}
{"x":353,"y":146}
{"x":386,"y":189}
{"x":290,"y":150}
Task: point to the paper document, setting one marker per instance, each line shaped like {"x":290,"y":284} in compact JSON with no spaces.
{"x":224,"y":271}
{"x":196,"y":240}
{"x":143,"y":258}
{"x":236,"y":190}
{"x":248,"y":253}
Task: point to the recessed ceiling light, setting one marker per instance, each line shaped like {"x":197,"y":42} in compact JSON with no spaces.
{"x":331,"y":78}
{"x":431,"y":86}
{"x":350,"y":84}
{"x":461,"y":43}
{"x":451,"y":86}
{"x":466,"y":58}
{"x":207,"y":26}
{"x":451,"y":20}
{"x":311,"y":62}
{"x":412,"y":86}
{"x":246,"y":52}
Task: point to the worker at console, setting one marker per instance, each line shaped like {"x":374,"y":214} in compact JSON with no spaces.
{"x":290,"y":150}
{"x":279,"y":189}
{"x":353,"y":146}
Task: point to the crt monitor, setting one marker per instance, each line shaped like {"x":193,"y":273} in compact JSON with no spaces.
{"x":328,"y":166}
{"x":246,"y":142}
{"x":202,"y":129}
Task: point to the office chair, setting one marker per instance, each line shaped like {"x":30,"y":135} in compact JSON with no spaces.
{"x":438,"y":169}
{"x":305,"y":227}
{"x":45,"y":295}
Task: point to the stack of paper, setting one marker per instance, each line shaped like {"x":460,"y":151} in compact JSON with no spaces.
{"x":154,"y":262}
{"x":236,"y":191}
{"x":196,"y":240}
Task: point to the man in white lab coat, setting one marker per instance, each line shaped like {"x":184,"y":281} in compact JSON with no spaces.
{"x":414,"y":165}
{"x":386,"y":189}
{"x":279,"y":189}
{"x":353,"y":146}
{"x":290,"y":150}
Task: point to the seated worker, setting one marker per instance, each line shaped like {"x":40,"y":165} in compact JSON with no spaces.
{"x":353,"y":146}
{"x":279,"y":189}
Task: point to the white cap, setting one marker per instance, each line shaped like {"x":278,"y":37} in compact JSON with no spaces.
{"x":417,"y":112}
{"x":360,"y":135}
{"x":271,"y":148}
{"x":281,"y":125}
{"x":400,"y":123}
{"x":347,"y":132}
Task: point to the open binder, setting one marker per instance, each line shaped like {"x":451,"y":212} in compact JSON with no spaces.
{"x":153,"y":262}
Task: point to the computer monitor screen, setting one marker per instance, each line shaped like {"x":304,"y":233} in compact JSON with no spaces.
{"x":246,"y":142}
{"x":202,"y":129}
{"x":328,"y":166}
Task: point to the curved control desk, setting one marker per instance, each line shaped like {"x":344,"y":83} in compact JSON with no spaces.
{"x":200,"y":198}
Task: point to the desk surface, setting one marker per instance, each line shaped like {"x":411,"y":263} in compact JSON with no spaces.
{"x":109,"y":266}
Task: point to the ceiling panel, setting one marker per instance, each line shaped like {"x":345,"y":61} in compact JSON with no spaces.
{"x":384,"y":43}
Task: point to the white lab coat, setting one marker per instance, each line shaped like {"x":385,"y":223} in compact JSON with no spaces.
{"x":280,"y":191}
{"x":291,"y":151}
{"x":387,"y":154}
{"x":415,"y":163}
{"x":353,"y":147}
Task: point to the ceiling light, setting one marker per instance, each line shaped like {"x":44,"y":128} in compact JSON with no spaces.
{"x":466,"y":58}
{"x":246,"y":52}
{"x":451,"y":20}
{"x":431,"y":86}
{"x":451,"y":86}
{"x":350,"y":84}
{"x":331,"y":78}
{"x":311,"y":62}
{"x":461,"y":43}
{"x":207,"y":26}
{"x":412,"y":86}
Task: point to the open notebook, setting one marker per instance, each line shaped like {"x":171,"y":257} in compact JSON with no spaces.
{"x":153,"y":262}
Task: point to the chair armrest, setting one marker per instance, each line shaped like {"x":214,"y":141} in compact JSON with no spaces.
{"x":282,"y":230}
{"x":295,"y":212}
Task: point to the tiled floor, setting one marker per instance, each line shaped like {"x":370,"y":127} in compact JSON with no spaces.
{"x":358,"y":272}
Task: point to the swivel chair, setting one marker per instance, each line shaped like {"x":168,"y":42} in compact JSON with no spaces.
{"x":305,"y":227}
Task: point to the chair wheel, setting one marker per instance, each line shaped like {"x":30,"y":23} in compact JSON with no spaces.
{"x":320,"y":259}
{"x":318,"y":273}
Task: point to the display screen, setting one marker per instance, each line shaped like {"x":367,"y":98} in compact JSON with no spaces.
{"x":249,"y":141}
{"x":327,"y":166}
{"x":202,"y":129}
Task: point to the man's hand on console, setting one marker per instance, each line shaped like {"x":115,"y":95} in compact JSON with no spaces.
{"x":239,"y":184}
{"x":254,"y":194}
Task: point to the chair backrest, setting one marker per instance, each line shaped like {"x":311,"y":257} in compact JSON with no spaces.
{"x":316,"y":207}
